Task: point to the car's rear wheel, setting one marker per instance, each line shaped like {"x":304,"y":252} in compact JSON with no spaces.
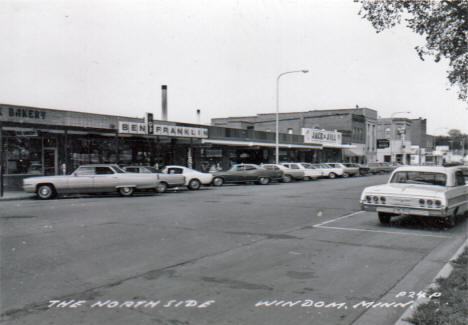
{"x":287,"y":178}
{"x":264,"y":180}
{"x":452,"y":219}
{"x":332,"y":175}
{"x":218,"y":181}
{"x":161,"y":188}
{"x":126,"y":191}
{"x":194,"y":184}
{"x":45,"y":191}
{"x":384,"y":218}
{"x":345,"y":175}
{"x":306,"y":178}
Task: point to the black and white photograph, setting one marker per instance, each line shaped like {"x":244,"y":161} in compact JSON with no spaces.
{"x":234,"y":162}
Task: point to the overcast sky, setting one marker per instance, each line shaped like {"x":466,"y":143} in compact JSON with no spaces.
{"x":222,"y":57}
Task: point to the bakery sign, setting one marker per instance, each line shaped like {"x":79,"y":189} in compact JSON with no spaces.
{"x":162,"y":129}
{"x":21,"y":113}
{"x":321,"y":136}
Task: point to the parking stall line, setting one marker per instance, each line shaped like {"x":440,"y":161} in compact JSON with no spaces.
{"x":382,"y":231}
{"x":336,"y":219}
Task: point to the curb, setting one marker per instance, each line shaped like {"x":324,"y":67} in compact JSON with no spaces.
{"x":443,"y":273}
{"x":26,"y":197}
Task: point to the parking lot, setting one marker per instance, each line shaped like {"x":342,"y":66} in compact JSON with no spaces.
{"x":299,"y":253}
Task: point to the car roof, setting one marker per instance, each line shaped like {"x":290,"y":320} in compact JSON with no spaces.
{"x":99,"y":165}
{"x":434,"y":169}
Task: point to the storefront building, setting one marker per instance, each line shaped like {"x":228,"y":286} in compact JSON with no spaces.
{"x":38,"y":141}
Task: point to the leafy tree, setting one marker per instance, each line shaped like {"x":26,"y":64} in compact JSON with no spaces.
{"x":454,"y":134}
{"x":443,"y":24}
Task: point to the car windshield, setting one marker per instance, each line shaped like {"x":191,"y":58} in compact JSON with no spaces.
{"x":417,"y":177}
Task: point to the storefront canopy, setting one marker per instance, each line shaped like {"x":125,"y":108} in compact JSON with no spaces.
{"x":260,"y":144}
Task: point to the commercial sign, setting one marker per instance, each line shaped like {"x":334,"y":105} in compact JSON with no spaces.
{"x":163,"y":129}
{"x":22,"y":113}
{"x":149,"y":123}
{"x":383,"y":143}
{"x":321,"y":136}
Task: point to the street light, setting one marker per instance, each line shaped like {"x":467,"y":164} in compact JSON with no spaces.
{"x":277,"y":109}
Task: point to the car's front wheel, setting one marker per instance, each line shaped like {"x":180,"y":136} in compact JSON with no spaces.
{"x":345,"y":175}
{"x":194,"y":184}
{"x":384,"y":218}
{"x":332,"y":175}
{"x":126,"y":191}
{"x":287,"y":178}
{"x":45,"y":191}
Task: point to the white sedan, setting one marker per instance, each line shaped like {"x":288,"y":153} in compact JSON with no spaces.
{"x":419,"y":190}
{"x":309,"y":172}
{"x":193,"y":178}
{"x":329,"y":171}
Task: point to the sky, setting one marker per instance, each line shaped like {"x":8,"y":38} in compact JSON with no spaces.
{"x":219,"y":56}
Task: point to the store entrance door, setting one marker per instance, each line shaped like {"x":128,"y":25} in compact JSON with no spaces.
{"x":50,"y":161}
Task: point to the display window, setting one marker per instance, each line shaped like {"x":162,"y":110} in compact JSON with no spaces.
{"x":23,"y":155}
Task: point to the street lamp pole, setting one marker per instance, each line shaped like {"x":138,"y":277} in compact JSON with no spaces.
{"x":277,"y":110}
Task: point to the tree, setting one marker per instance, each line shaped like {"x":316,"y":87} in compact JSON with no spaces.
{"x":443,"y":24}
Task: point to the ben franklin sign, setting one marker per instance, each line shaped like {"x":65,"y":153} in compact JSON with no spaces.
{"x":164,"y":130}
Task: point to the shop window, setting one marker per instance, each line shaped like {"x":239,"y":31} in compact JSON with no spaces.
{"x":23,"y":155}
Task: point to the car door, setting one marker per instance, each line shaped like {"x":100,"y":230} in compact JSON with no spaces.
{"x":235,"y":174}
{"x":251,"y":173}
{"x":105,"y":179}
{"x":82,"y":180}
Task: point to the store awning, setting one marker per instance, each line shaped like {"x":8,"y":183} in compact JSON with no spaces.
{"x":339,"y":146}
{"x":353,"y":152}
{"x":260,"y":144}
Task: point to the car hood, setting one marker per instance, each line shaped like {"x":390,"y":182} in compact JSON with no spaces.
{"x":406,"y":189}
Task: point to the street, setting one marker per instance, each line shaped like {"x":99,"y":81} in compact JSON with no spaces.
{"x":296,"y":253}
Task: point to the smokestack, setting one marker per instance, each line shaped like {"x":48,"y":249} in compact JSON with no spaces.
{"x":164,"y":103}
{"x":198,"y":116}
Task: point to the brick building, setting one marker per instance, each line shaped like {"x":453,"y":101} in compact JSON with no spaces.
{"x":357,"y":126}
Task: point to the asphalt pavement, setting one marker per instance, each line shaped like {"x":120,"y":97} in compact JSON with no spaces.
{"x":297,"y":253}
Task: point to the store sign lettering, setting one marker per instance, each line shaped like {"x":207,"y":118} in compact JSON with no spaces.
{"x":22,"y":113}
{"x":165,"y":130}
{"x":321,"y":136}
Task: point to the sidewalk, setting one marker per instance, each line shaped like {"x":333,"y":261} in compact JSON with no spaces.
{"x":16,"y":195}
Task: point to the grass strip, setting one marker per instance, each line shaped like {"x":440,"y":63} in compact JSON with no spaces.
{"x":451,"y":308}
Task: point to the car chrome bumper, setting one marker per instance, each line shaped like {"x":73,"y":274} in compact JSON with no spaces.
{"x":403,"y":210}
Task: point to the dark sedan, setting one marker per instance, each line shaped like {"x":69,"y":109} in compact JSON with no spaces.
{"x":243,"y":173}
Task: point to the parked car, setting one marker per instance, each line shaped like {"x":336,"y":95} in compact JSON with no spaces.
{"x":193,"y":178}
{"x":419,"y":190}
{"x":361,"y":169}
{"x":165,"y":180}
{"x":288,"y":173}
{"x":309,"y":172}
{"x":348,"y":169}
{"x":242,"y":173}
{"x":377,"y":168}
{"x":329,"y":171}
{"x":93,"y":178}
